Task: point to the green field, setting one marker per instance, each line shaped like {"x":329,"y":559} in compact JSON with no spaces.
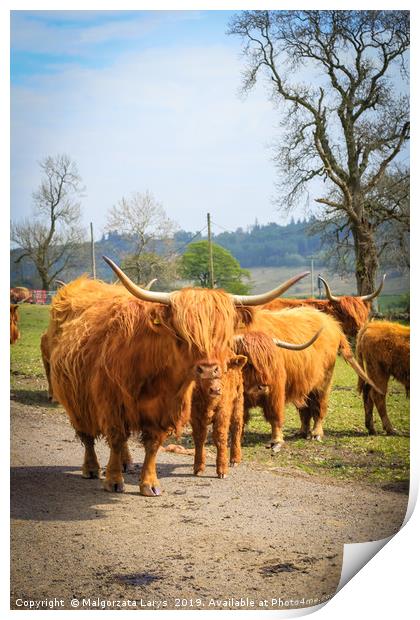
{"x":347,"y":452}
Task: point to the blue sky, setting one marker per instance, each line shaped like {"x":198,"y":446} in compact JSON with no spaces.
{"x":144,"y":100}
{"x":141,"y":100}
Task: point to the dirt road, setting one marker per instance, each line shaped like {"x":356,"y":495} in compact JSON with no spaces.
{"x":257,"y":535}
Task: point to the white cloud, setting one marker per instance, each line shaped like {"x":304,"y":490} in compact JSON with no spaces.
{"x":164,"y":119}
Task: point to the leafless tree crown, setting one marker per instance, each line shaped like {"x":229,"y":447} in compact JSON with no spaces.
{"x":52,"y":236}
{"x":335,"y":76}
{"x":141,"y":217}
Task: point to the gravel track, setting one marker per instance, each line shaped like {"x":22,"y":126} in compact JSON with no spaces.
{"x":260,"y":534}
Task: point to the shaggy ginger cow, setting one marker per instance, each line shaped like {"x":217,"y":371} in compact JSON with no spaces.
{"x":14,"y":317}
{"x":217,"y":399}
{"x":275,"y":376}
{"x":69,"y":303}
{"x":351,"y":312}
{"x":126,"y":364}
{"x":383,"y":348}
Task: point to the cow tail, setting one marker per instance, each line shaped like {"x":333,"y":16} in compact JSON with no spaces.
{"x":347,"y":354}
{"x":359,"y":355}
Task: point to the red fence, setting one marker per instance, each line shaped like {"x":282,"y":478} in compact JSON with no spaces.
{"x":42,"y":297}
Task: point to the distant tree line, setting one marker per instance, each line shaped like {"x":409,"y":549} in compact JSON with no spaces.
{"x":260,"y":245}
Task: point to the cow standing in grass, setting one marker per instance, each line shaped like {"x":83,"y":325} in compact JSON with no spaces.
{"x":14,"y":317}
{"x":352,"y":312}
{"x":127,"y":363}
{"x":275,"y":376}
{"x":383,"y":348}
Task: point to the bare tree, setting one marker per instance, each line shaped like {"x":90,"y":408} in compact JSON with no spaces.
{"x":51,"y":238}
{"x":344,"y":120}
{"x":144,"y":220}
{"x":388,"y":208}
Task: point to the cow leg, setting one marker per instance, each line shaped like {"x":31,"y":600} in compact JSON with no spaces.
{"x":91,"y":467}
{"x":199,"y":430}
{"x":149,"y":484}
{"x":126,"y":458}
{"x":220,"y":438}
{"x":318,"y":401}
{"x":114,"y":481}
{"x":236,"y":430}
{"x":380,"y":403}
{"x":273,"y":409}
{"x":368,"y":405}
{"x":46,"y":361}
{"x":305,"y":422}
{"x":318,"y":405}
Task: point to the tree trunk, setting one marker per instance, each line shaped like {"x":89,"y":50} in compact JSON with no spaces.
{"x":366,"y":255}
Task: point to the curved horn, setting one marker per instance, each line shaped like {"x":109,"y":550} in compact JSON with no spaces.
{"x":22,"y":301}
{"x":376,"y":293}
{"x":264,"y":298}
{"x":328,"y":293}
{"x":296,"y":347}
{"x":137,"y":291}
{"x":150,"y":284}
{"x":60,"y":282}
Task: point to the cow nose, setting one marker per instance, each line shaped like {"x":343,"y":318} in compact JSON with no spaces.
{"x":215,"y":391}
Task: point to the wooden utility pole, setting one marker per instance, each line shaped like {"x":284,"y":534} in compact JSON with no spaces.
{"x":312,"y":279}
{"x":211,"y":268}
{"x":92,"y":249}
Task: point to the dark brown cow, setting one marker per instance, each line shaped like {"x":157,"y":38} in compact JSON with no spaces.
{"x":126,"y":363}
{"x":351,"y":312}
{"x":275,"y":376}
{"x":383,"y":348}
{"x":20,"y":294}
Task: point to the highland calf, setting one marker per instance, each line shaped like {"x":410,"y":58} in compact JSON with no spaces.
{"x":217,"y":399}
{"x":383,"y":348}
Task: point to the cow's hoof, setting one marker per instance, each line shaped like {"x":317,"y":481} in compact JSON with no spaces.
{"x":222,"y":476}
{"x":90,"y":474}
{"x":233,"y":464}
{"x":149,"y":491}
{"x":372,"y":431}
{"x":393,"y":431}
{"x":113,"y":487}
{"x":277,"y":446}
{"x":198,"y":472}
{"x":317,"y":437}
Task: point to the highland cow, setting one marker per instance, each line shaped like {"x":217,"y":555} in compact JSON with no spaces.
{"x":275,"y":376}
{"x":383,"y":348}
{"x":351,"y":312}
{"x":126,"y":364}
